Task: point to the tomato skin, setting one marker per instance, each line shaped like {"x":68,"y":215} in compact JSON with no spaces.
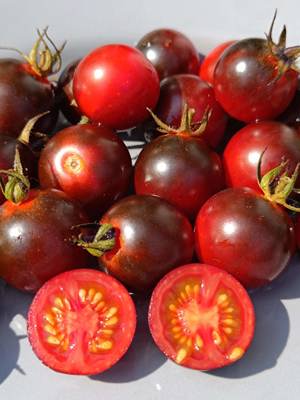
{"x":152,"y":237}
{"x":241,"y":155}
{"x":180,"y":169}
{"x":177,"y":90}
{"x":246,"y":235}
{"x":114,"y":85}
{"x":209,"y":279}
{"x":77,"y":359}
{"x":35,"y":239}
{"x":170,"y":52}
{"x":88,"y":162}
{"x":246,"y":83}
{"x":210,"y":61}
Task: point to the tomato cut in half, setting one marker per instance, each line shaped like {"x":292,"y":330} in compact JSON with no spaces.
{"x":81,"y":322}
{"x":201,"y":317}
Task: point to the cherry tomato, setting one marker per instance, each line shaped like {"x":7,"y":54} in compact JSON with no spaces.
{"x":291,"y":115}
{"x":191,"y":90}
{"x":88,"y":162}
{"x":242,"y":153}
{"x":209,"y":63}
{"x":81,"y":322}
{"x":151,"y":238}
{"x":201,"y":317}
{"x":246,"y":235}
{"x":170,"y":52}
{"x":114,"y":85}
{"x":36,"y":239}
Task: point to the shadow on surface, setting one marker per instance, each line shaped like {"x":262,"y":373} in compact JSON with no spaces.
{"x":142,"y":358}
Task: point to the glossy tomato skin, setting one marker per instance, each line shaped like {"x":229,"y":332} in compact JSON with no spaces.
{"x":23,"y":95}
{"x":88,"y":162}
{"x":190,"y":89}
{"x":242,"y":153}
{"x":36,"y":239}
{"x":246,"y":82}
{"x":64,"y":93}
{"x":291,"y":116}
{"x":246,"y":235}
{"x":94,"y":314}
{"x":114,"y":85}
{"x":200,"y":300}
{"x":170,"y":52}
{"x":180,"y":169}
{"x":152,"y":237}
{"x":210,"y":61}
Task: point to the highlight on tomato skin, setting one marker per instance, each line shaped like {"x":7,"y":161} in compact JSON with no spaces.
{"x":81,"y":322}
{"x":201,"y":317}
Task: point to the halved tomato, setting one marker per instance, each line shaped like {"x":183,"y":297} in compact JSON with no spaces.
{"x":201,"y":317}
{"x":81,"y":322}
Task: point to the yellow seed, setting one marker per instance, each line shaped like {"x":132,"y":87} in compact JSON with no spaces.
{"x":225,"y":304}
{"x":176,"y":329}
{"x":93,"y":347}
{"x":174,"y":321}
{"x":49,"y":328}
{"x":91,"y":294}
{"x":59,"y":303}
{"x":107,"y":345}
{"x":49,"y":318}
{"x":182,"y":340}
{"x":65,"y":344}
{"x":229,"y":322}
{"x":111,"y":312}
{"x":172,"y":307}
{"x":183,"y":296}
{"x":222,"y":298}
{"x":61,"y":337}
{"x":100,"y":306}
{"x":236,"y":353}
{"x":107,"y":332}
{"x":53,"y":340}
{"x":177,"y":336}
{"x":189,"y":342}
{"x":67,"y":304}
{"x":98,"y":296}
{"x":82,"y":295}
{"x":229,"y":310}
{"x":228,"y":330}
{"x":198,"y":341}
{"x":216,"y":338}
{"x":188,"y":290}
{"x":112,"y":321}
{"x":56,"y":311}
{"x":181,"y":355}
{"x":196,"y":289}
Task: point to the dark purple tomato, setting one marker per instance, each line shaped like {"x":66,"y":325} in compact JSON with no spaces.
{"x":291,"y":115}
{"x":152,"y":237}
{"x":170,"y":52}
{"x":246,"y":235}
{"x":88,"y":162}
{"x":193,"y":91}
{"x":64,"y":93}
{"x":242,"y":153}
{"x":23,"y":95}
{"x":36,"y":239}
{"x":250,"y":83}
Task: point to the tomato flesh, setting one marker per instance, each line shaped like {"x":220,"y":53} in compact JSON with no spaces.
{"x":201,"y":317}
{"x":81,"y":322}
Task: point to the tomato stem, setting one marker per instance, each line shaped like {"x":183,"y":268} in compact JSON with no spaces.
{"x":24,"y":136}
{"x":100,"y":243}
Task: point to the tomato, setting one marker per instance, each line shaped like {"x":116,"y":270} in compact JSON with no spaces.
{"x":88,"y":162}
{"x":254,"y":78}
{"x":291,"y":115}
{"x":180,"y":168}
{"x":209,"y":63}
{"x":242,"y":153}
{"x":191,"y":90}
{"x":170,"y":52}
{"x":81,"y":322}
{"x":36,"y":239}
{"x":201,"y":317}
{"x":151,"y":237}
{"x":114,"y":85}
{"x":246,"y":235}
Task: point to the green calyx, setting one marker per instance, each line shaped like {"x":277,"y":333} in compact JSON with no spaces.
{"x":277,"y":185}
{"x":187,"y":126}
{"x":24,"y":136}
{"x":101,"y":242}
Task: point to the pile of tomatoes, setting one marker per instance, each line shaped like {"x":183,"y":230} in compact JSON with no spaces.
{"x":208,"y":211}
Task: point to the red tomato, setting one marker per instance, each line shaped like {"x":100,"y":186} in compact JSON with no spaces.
{"x":201,"y":317}
{"x":242,"y":153}
{"x":245,"y":234}
{"x":114,"y":85}
{"x":81,"y":322}
{"x":210,"y":61}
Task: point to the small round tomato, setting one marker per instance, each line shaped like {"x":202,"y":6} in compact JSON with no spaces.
{"x":276,"y":141}
{"x":201,"y":317}
{"x":170,"y":52}
{"x":246,"y":235}
{"x":208,"y":65}
{"x":81,"y":322}
{"x":114,"y":85}
{"x":88,"y":162}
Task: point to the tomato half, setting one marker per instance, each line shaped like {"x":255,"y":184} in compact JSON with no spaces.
{"x":81,"y":322}
{"x":201,"y":317}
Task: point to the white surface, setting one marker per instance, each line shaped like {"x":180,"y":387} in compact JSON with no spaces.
{"x":270,"y":370}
